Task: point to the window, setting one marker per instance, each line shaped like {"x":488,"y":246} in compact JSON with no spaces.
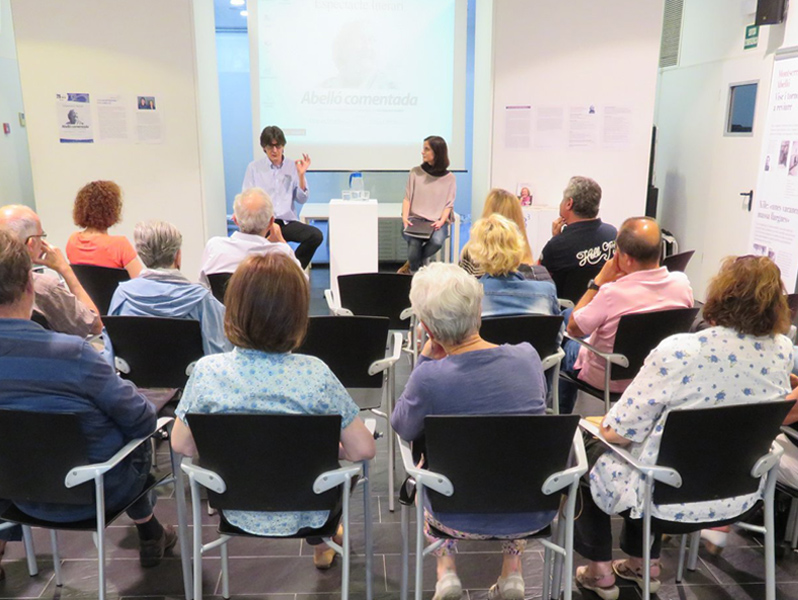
{"x":742,"y":100}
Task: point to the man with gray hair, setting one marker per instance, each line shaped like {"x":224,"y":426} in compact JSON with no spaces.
{"x":65,"y":305}
{"x":579,"y":239}
{"x":161,"y":290}
{"x":258,"y":234}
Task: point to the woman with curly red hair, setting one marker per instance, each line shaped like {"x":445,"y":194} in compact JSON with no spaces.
{"x":98,"y":206}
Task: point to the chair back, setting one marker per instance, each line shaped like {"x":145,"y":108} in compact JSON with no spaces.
{"x":640,"y":333}
{"x":376,"y":295}
{"x":39,"y":318}
{"x":714,"y":449}
{"x":677,"y":262}
{"x":218,"y":283}
{"x":268,"y":462}
{"x":348,"y":345}
{"x":792,"y":302}
{"x":541,"y":331}
{"x":572,"y":284}
{"x":490,"y":476}
{"x":37,"y":450}
{"x":100,"y":283}
{"x":157,"y":349}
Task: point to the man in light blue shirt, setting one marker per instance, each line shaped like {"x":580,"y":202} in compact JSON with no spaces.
{"x":161,"y":290}
{"x":284,"y":181}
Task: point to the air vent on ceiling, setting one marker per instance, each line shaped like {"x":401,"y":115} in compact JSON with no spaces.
{"x":671,"y":33}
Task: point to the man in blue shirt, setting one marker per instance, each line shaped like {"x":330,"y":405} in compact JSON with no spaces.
{"x":53,"y":372}
{"x":284,"y":181}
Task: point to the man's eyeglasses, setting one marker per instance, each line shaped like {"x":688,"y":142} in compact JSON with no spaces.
{"x":41,"y":235}
{"x":274,"y":146}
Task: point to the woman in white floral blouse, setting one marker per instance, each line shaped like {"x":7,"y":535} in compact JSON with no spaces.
{"x":743,"y":357}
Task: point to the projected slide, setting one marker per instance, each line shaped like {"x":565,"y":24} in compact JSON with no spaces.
{"x":357,"y":84}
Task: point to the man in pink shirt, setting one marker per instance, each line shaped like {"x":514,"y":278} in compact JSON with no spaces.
{"x":631,"y":282}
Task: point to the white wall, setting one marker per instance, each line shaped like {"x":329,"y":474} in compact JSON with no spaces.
{"x":147,"y":47}
{"x":573,"y":53}
{"x":700,"y":171}
{"x":16,"y":182}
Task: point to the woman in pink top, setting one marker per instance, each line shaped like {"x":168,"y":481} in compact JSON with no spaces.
{"x":98,"y":206}
{"x":429,"y":196}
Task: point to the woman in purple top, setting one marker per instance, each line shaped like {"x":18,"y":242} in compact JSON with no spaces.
{"x":459,"y":373}
{"x":429,"y":196}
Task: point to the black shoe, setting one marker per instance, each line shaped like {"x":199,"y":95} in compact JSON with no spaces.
{"x":151,"y":551}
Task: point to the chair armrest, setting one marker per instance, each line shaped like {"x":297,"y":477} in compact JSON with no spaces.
{"x":204,"y":477}
{"x":378,"y":366}
{"x":121,"y":365}
{"x":371,"y":425}
{"x":552,"y":359}
{"x":789,"y":432}
{"x":330,"y":479}
{"x":562,"y":479}
{"x":436,"y":481}
{"x":406,"y":313}
{"x":666,"y":475}
{"x":333,"y":305}
{"x":767,"y":462}
{"x":565,"y":303}
{"x":84,"y":473}
{"x":610,"y":357}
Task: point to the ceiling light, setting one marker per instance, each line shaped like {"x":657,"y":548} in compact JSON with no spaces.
{"x":238,"y":2}
{"x":244,"y":13}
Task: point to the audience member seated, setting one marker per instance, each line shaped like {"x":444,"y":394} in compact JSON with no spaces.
{"x":258,"y":234}
{"x":459,"y":373}
{"x":161,"y":290}
{"x":579,"y":238}
{"x":45,"y":371}
{"x":98,"y":206}
{"x":497,"y":246}
{"x":506,"y":204}
{"x":630,"y":282}
{"x":744,"y":357}
{"x":266,"y":319}
{"x":64,"y":304}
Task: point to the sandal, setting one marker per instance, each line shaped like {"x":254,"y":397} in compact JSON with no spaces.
{"x":590,"y":582}
{"x":448,"y":587}
{"x":325,"y":560}
{"x":624,"y":571}
{"x":507,"y":588}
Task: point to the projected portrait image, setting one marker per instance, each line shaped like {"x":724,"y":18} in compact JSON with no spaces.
{"x":146,"y":102}
{"x":784,"y":151}
{"x":793,"y":170}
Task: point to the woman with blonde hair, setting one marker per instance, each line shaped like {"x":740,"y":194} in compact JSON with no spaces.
{"x":498,"y":247}
{"x":506,"y":204}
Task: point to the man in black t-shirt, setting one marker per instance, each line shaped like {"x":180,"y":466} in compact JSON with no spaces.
{"x":580,"y":243}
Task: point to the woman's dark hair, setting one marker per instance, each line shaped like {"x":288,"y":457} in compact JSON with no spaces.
{"x":98,"y":205}
{"x":748,"y":296}
{"x":267,"y":302}
{"x":272,"y":134}
{"x":440,"y":150}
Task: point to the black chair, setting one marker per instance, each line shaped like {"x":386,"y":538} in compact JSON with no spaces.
{"x":100,"y":283}
{"x":637,"y":335}
{"x":39,"y":318}
{"x":62,"y":474}
{"x":572,"y":284}
{"x":218,"y":282}
{"x":792,"y":302}
{"x":470,"y":471}
{"x":155,"y":352}
{"x":260,"y":462}
{"x":354,"y":349}
{"x":374,"y":295}
{"x":542,"y":331}
{"x":711,"y":454}
{"x":677,"y":262}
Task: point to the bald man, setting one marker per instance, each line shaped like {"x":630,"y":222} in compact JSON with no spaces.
{"x":257,"y":234}
{"x":64,"y":304}
{"x":631,"y":282}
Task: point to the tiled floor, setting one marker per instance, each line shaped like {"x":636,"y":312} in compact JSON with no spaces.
{"x":283,"y":570}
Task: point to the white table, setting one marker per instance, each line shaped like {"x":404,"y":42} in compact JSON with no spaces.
{"x":354,"y":246}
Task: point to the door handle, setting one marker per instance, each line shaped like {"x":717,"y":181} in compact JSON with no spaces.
{"x":750,"y":194}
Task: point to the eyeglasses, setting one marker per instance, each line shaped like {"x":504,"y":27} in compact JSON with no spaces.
{"x":273,"y":146}
{"x":41,"y":235}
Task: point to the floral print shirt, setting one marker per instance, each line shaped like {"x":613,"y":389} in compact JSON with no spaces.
{"x":250,"y":381}
{"x":714,"y":367}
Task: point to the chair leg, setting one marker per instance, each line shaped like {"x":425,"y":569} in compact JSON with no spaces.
{"x":794,"y":529}
{"x":196,"y":518}
{"x":56,"y":558}
{"x":403,"y":510}
{"x":547,"y":568}
{"x":346,"y":549}
{"x":557,"y":567}
{"x":692,"y":558}
{"x":419,"y":540}
{"x":555,"y":392}
{"x":182,"y":523}
{"x":100,"y":495}
{"x":770,"y":538}
{"x":391,"y":441}
{"x":682,"y":552}
{"x":369,"y":542}
{"x":647,"y":537}
{"x":30,"y":551}
{"x":225,"y":572}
